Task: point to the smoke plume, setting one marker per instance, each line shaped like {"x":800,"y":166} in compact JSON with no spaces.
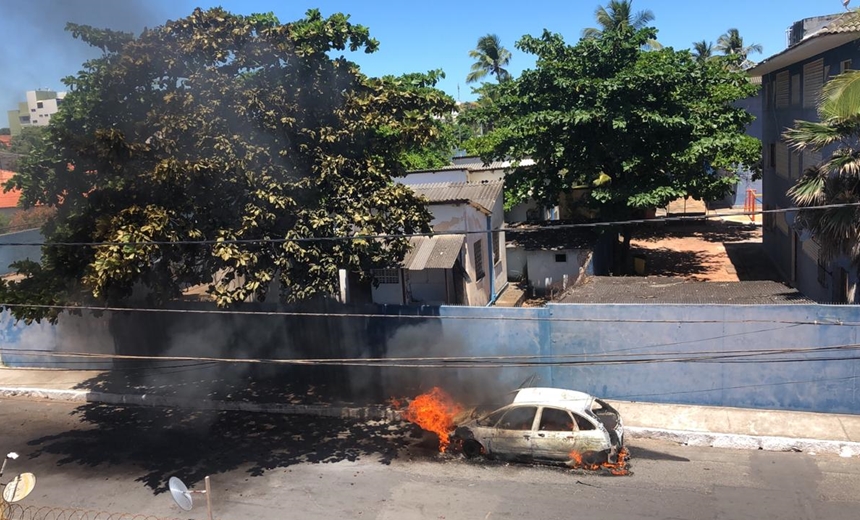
{"x":38,"y":52}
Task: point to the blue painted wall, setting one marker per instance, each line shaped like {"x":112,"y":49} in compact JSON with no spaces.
{"x":18,"y":253}
{"x":555,"y":337}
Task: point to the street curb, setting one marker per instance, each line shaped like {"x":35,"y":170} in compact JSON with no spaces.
{"x":385,"y":413}
{"x":364,"y":413}
{"x":746,"y":442}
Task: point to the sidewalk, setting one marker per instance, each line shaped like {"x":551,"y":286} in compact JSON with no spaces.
{"x":774,"y":430}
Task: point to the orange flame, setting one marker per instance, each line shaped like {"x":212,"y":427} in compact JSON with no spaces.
{"x":434,"y":412}
{"x":618,"y":468}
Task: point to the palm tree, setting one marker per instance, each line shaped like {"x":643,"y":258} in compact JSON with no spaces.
{"x":703,"y":51}
{"x":491,"y":58}
{"x":618,"y":14}
{"x":732,"y":44}
{"x":835,"y":180}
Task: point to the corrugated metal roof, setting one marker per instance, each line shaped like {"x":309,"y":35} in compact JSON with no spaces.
{"x":439,"y":252}
{"x":485,"y":194}
{"x":474,"y":164}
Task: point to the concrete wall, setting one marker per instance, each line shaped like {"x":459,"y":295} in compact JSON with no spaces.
{"x":547,"y":272}
{"x":9,"y":254}
{"x":565,"y":341}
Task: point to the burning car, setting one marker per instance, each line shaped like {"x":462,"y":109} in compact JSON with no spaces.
{"x":549,"y":424}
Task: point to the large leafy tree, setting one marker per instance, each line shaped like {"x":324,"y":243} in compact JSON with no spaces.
{"x":224,"y":127}
{"x":836,"y":179}
{"x":732,"y":44}
{"x":641,"y":128}
{"x":491,"y":58}
{"x":28,"y":139}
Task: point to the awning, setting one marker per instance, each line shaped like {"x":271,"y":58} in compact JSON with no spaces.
{"x":439,"y":252}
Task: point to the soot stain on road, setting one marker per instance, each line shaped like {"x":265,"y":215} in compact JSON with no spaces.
{"x":166,"y":442}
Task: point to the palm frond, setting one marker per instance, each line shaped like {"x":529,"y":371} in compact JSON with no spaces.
{"x":809,"y":135}
{"x":840,"y":97}
{"x":809,"y":190}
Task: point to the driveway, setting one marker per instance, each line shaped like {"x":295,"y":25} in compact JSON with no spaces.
{"x":711,"y":251}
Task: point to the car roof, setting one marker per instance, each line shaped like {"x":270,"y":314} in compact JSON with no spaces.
{"x":571,"y":399}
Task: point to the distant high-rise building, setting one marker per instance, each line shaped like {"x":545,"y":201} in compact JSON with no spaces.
{"x":36,"y":111}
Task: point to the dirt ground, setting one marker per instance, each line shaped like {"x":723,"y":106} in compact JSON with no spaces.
{"x":712,"y":251}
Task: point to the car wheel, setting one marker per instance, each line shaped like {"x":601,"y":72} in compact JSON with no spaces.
{"x":472,"y":449}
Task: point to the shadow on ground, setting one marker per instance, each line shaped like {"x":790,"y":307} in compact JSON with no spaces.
{"x":711,"y":231}
{"x":669,"y":262}
{"x":168,"y":442}
{"x":637,"y":452}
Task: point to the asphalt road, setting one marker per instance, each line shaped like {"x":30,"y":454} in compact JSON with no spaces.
{"x":279,"y":467}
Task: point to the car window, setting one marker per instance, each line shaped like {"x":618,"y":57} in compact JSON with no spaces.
{"x":583,"y":423}
{"x":491,"y":419}
{"x":520,"y":418}
{"x":555,"y":420}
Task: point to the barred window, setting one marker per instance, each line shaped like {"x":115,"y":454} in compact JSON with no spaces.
{"x":479,"y":260}
{"x":497,"y":255}
{"x":387,"y":276}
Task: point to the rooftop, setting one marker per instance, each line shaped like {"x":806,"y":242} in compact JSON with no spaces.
{"x":438,"y":252}
{"x":8,"y":199}
{"x":668,"y":290}
{"x":484,"y":194}
{"x":542,"y":237}
{"x":843,"y":29}
{"x":475,"y":164}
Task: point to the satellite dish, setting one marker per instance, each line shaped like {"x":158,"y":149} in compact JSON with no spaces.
{"x":19,"y":487}
{"x":180,"y":494}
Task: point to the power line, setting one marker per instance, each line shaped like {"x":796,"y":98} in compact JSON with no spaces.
{"x":581,"y":225}
{"x":485,"y":361}
{"x":500,"y":317}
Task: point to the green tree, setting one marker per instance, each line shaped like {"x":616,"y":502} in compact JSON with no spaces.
{"x":732,"y":44}
{"x":30,"y":138}
{"x":618,"y":14}
{"x":703,"y":50}
{"x":836,"y":179}
{"x":224,"y":127}
{"x":641,"y":128}
{"x":491,"y":58}
{"x":5,"y":131}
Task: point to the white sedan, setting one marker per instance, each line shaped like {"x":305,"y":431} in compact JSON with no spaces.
{"x":546,"y":424}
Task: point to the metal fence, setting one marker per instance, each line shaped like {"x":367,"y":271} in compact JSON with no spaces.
{"x":19,"y":512}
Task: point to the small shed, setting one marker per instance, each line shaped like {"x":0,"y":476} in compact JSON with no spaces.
{"x":550,"y":258}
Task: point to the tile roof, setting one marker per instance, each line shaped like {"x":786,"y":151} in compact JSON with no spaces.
{"x":10,"y":198}
{"x":438,"y":252}
{"x":485,"y":194}
{"x":6,"y":140}
{"x":847,"y":23}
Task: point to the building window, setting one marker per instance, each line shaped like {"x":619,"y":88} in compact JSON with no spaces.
{"x":32,"y":110}
{"x":497,"y":255}
{"x":561,"y":258}
{"x":782,"y":96}
{"x":479,"y":260}
{"x":782,"y":161}
{"x":845,"y":66}
{"x":772,"y":158}
{"x":387,"y":276}
{"x":796,"y":166}
{"x":822,"y":273}
{"x":40,"y":105}
{"x":813,"y":82}
{"x":795,"y":90}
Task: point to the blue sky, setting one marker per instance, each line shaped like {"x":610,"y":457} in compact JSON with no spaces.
{"x":414,"y":36}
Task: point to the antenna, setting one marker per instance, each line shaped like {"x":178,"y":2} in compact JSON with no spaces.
{"x":182,"y":495}
{"x":19,"y":487}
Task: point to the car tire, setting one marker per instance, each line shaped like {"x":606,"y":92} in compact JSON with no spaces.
{"x":472,"y":449}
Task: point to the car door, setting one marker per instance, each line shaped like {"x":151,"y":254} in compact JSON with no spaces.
{"x":513,"y":433}
{"x":555,"y":437}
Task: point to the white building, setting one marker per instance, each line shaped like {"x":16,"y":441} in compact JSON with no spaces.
{"x":36,"y":111}
{"x":469,"y":269}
